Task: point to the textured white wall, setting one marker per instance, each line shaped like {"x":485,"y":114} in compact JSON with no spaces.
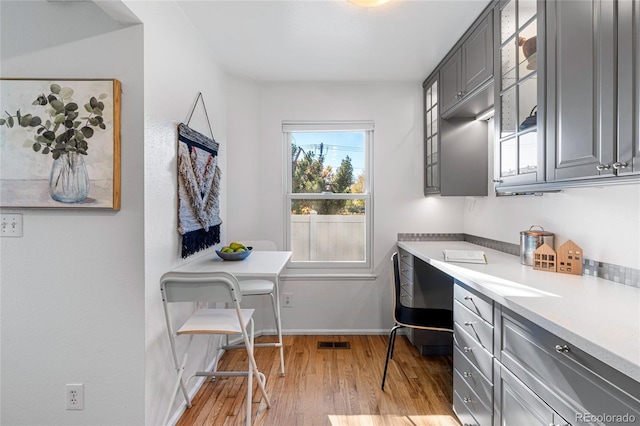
{"x":177,"y":66}
{"x":72,"y":292}
{"x":256,"y":164}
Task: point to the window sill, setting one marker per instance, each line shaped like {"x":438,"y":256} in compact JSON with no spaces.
{"x":328,"y":277}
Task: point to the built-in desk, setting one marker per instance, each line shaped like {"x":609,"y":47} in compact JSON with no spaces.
{"x":592,"y":324}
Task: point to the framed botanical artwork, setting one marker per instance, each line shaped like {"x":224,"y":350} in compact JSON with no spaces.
{"x":60,"y":143}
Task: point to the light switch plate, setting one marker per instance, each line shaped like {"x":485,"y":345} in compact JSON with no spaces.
{"x":10,"y":225}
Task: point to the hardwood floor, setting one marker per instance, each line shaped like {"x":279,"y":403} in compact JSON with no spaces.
{"x":332,"y":386}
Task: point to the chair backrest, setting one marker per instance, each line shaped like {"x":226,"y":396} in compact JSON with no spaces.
{"x":261,"y":245}
{"x":200,"y":287}
{"x":397,"y":306}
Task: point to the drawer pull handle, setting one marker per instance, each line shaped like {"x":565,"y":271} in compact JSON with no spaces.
{"x":467,"y":374}
{"x":469,"y":323}
{"x":467,"y":349}
{"x":468,"y":298}
{"x":562,"y":349}
{"x":601,"y":167}
{"x":466,"y":400}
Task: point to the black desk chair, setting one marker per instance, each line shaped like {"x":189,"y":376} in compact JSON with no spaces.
{"x":416,"y":318}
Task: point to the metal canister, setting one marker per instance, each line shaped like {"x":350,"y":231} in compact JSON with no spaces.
{"x":532,"y":239}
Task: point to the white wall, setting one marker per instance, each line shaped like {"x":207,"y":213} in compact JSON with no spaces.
{"x":604,"y":221}
{"x":177,"y":66}
{"x":72,"y":288}
{"x":256,"y":164}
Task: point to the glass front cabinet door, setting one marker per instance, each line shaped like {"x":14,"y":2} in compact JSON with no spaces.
{"x":519,"y":150}
{"x":431,"y":138}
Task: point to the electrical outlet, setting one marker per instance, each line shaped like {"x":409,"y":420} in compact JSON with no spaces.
{"x":11,"y":225}
{"x":75,"y":396}
{"x":287,"y":300}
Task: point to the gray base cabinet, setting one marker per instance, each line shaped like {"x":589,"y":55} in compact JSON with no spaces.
{"x":510,"y":371}
{"x":472,"y":356}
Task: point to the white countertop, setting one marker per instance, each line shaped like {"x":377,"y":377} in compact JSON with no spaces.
{"x":600,"y":317}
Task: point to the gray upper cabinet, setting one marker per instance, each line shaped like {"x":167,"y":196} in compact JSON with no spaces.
{"x":628,"y":149}
{"x":592,"y":128}
{"x":470,"y":67}
{"x":455,"y":143}
{"x":581,"y":105}
{"x":519,"y":83}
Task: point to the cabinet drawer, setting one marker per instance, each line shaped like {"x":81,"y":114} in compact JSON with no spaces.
{"x":406,"y":285}
{"x":470,"y":399}
{"x":462,"y":411}
{"x":474,"y":351}
{"x":405,"y":298}
{"x":475,"y":302}
{"x":472,"y":376}
{"x":406,"y":272}
{"x":405,"y":257}
{"x":481,"y":330}
{"x":570,"y":381}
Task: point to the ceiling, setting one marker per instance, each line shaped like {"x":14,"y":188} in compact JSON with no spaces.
{"x":331,"y":40}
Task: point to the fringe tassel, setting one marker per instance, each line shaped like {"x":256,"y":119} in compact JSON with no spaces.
{"x":195,"y":241}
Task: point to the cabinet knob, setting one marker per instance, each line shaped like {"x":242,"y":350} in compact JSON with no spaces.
{"x":562,"y":349}
{"x":618,"y":165}
{"x":601,"y":167}
{"x":467,"y":349}
{"x":466,"y":374}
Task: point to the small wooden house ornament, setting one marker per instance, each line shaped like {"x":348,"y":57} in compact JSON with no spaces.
{"x":570,"y":258}
{"x":545,"y":258}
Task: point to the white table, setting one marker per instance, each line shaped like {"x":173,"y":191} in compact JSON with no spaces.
{"x":260,"y":264}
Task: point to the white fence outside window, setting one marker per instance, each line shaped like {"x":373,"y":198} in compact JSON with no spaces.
{"x":328,"y":238}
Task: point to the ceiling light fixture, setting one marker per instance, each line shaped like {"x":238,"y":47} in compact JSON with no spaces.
{"x":368,"y":3}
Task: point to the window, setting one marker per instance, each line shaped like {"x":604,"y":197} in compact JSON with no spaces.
{"x":328,"y":194}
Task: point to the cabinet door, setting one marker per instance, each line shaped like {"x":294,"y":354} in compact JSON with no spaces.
{"x":519,"y":83}
{"x":518,"y":405}
{"x":580,"y":98}
{"x":431,"y":138}
{"x":628,"y":87}
{"x":450,"y":76}
{"x":477,"y":56}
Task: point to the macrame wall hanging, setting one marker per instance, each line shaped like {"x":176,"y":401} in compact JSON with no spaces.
{"x":198,"y":187}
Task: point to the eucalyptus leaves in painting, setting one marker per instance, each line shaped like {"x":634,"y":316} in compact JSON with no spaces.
{"x":65,"y":130}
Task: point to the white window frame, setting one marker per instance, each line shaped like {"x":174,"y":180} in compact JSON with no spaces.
{"x":323,"y":267}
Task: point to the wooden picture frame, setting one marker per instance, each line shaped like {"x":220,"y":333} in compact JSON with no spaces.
{"x":60,"y":143}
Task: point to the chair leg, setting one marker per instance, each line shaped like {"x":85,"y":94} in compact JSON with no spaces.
{"x":275,"y":302}
{"x":179,"y":385}
{"x":390,"y":345}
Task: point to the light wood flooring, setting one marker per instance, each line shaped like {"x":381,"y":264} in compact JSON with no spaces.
{"x":332,"y":386}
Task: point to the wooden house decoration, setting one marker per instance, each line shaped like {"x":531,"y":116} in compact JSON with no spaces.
{"x":570,"y":258}
{"x":545,"y":258}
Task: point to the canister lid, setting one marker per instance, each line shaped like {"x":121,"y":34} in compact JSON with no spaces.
{"x":537,"y":233}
